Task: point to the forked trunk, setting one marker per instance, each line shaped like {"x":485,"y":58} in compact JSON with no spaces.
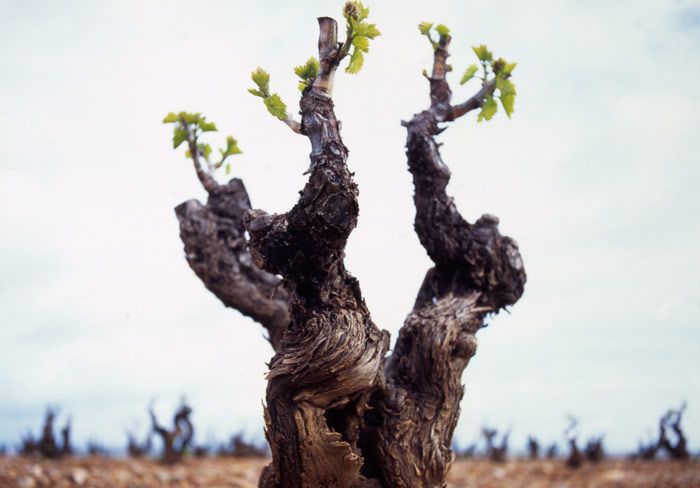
{"x":339,"y":413}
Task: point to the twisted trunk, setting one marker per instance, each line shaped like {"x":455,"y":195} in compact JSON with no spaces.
{"x":330,"y":357}
{"x":340,"y":414}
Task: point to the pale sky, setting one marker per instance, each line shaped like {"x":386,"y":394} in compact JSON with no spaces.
{"x":595,"y":176}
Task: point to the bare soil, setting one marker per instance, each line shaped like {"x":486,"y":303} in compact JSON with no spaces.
{"x":243,"y":473}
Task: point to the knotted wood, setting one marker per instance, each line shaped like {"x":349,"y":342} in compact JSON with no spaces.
{"x":216,"y":249}
{"x":331,"y":355}
{"x":339,"y":413}
{"x":476,"y":271}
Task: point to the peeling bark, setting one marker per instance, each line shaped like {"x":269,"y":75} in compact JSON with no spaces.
{"x":332,"y":352}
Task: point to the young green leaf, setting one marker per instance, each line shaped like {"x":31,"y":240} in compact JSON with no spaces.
{"x":497,"y":66}
{"x":507,"y":92}
{"x":364,"y":29}
{"x":355,"y":10}
{"x":469,"y":74}
{"x":273,"y":102}
{"x":488,"y":109}
{"x":504,"y":85}
{"x":356,"y":61}
{"x":359,"y":33}
{"x":442,"y":29}
{"x":179,"y":136}
{"x":508,"y":102}
{"x":483,"y":53}
{"x":361,"y":43}
{"x":502,"y":68}
{"x":307,"y":70}
{"x":424,"y":28}
{"x":276,"y":106}
{"x":231,"y":147}
{"x":206,"y":126}
{"x":189,"y":117}
{"x":170,"y":118}
{"x":204,"y":150}
{"x":188,"y":127}
{"x":261,"y":78}
{"x":228,"y":168}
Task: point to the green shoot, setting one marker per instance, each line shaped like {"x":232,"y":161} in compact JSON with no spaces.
{"x":359,"y":32}
{"x":272,"y":101}
{"x":307,"y":72}
{"x":504,"y":90}
{"x":188,"y":127}
{"x":425,"y":29}
{"x":499,"y":70}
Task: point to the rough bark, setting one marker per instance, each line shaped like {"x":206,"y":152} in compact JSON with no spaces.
{"x":331,"y":355}
{"x":340,"y":414}
{"x":216,"y":249}
{"x":476,"y":271}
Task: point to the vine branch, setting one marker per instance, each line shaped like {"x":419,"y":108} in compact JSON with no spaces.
{"x":476,"y":271}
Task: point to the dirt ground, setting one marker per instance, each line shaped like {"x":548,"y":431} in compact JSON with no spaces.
{"x":243,"y":473}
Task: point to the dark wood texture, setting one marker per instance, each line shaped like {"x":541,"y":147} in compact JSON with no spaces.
{"x":216,"y":249}
{"x":339,"y":413}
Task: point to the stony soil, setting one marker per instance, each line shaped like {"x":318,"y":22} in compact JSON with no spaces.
{"x":243,"y":473}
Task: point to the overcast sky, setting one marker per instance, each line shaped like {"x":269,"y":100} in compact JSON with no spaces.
{"x":596,"y":176}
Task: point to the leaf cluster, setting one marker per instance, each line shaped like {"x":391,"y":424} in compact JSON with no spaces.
{"x":272,"y":101}
{"x":426,"y":28}
{"x":501,"y":71}
{"x":359,"y":33}
{"x":188,"y":127}
{"x":307,"y":72}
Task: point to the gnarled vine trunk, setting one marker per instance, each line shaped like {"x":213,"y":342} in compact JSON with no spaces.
{"x":339,"y":412}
